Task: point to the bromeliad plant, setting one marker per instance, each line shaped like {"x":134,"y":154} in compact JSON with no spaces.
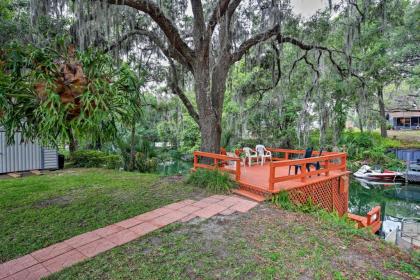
{"x":45,"y":92}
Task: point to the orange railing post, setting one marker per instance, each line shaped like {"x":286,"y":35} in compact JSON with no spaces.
{"x":272,"y":175}
{"x":195,"y":160}
{"x":375,"y":213}
{"x":329,"y":164}
{"x":217,"y":158}
{"x":303,"y":171}
{"x":327,"y":167}
{"x":238,"y":169}
{"x":344,"y":162}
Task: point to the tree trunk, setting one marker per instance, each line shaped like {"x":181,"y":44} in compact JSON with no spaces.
{"x":359,"y":117}
{"x":210,"y":102}
{"x":382,"y":111}
{"x":98,"y":143}
{"x":210,"y":135}
{"x":132,"y":147}
{"x":73,"y":145}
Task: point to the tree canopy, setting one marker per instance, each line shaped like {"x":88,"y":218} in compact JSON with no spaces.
{"x":216,"y":72}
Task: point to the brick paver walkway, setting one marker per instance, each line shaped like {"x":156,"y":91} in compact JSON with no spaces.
{"x":56,"y":257}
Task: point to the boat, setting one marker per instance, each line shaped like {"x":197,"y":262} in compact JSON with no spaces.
{"x":366,"y":172}
{"x":413,"y":172}
{"x":368,"y":184}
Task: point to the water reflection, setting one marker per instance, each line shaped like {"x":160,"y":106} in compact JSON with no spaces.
{"x":397,"y":200}
{"x":174,"y":167}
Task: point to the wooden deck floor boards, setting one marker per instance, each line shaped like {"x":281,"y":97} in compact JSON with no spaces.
{"x":257,"y":176}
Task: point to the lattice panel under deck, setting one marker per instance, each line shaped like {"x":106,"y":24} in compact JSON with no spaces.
{"x":326,"y":194}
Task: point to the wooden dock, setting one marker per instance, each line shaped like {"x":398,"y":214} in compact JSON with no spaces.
{"x":326,"y":185}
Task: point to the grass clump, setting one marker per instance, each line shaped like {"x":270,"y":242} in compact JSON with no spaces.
{"x":211,"y":180}
{"x":343,"y":225}
{"x":282,"y":200}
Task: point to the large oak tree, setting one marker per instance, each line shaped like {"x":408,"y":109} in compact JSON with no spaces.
{"x":215,"y":46}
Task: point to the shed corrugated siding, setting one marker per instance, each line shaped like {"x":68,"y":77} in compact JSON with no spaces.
{"x":50,"y":159}
{"x":24,"y":156}
{"x":2,"y":151}
{"x":19,"y":156}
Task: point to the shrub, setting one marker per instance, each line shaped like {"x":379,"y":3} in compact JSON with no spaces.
{"x":371,"y":148}
{"x":212,"y":180}
{"x":282,"y":200}
{"x":92,"y":158}
{"x":112,"y":161}
{"x":145,"y":164}
{"x":341,"y":224}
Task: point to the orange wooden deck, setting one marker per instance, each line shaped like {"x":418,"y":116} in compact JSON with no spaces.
{"x":273,"y":176}
{"x":258,"y":176}
{"x":326,"y":186}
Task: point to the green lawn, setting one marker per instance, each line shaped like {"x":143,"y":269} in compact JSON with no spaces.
{"x":265,"y":243}
{"x":38,"y":211}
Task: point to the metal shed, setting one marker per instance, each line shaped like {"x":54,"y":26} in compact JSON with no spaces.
{"x":25,"y":156}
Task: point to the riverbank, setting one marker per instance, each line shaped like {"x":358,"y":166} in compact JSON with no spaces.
{"x":408,"y":138}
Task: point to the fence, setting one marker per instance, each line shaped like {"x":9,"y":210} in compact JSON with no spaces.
{"x":219,"y":162}
{"x":330,"y":194}
{"x":331,"y":162}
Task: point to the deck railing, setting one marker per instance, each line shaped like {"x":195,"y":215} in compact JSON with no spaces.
{"x":287,"y":153}
{"x":219,"y":161}
{"x":327,"y":163}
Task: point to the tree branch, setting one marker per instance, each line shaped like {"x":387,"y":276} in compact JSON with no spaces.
{"x":178,"y":91}
{"x":358,"y":9}
{"x":164,"y":23}
{"x":218,"y":12}
{"x":246,"y":45}
{"x":232,"y":7}
{"x":307,"y":47}
{"x":295,"y":63}
{"x":199,"y":23}
{"x":168,"y":52}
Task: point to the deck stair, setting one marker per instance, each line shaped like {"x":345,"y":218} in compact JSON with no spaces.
{"x":249,"y":195}
{"x":252,"y":192}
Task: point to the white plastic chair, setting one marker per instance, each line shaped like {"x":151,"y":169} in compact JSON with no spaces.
{"x":263,"y":153}
{"x":250,"y":154}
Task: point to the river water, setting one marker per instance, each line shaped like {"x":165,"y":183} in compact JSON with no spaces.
{"x":397,"y":201}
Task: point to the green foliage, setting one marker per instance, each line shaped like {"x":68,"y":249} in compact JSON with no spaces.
{"x":212,"y":180}
{"x":93,"y":158}
{"x":342,"y":224}
{"x":190,"y":136}
{"x":282,"y":200}
{"x":370,"y":148}
{"x":145,"y":164}
{"x":145,"y":154}
{"x":109,"y":96}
